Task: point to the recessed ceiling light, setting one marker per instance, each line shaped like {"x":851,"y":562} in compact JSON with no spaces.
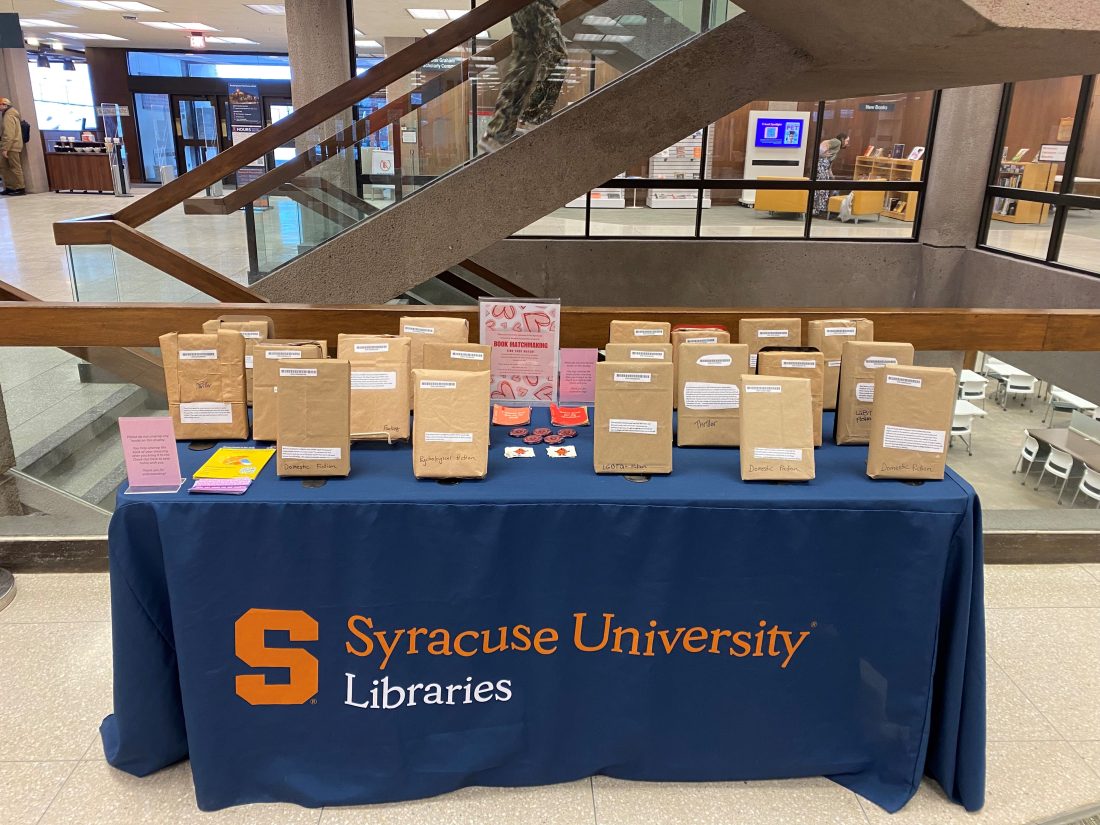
{"x":357,"y":33}
{"x":618,"y":38}
{"x":33,"y":42}
{"x":243,"y":41}
{"x":428,"y":14}
{"x":158,"y":24}
{"x":93,"y":5}
{"x":111,"y":5}
{"x":88,"y":36}
{"x":39,"y":23}
{"x":197,"y":27}
{"x":587,"y":36}
{"x":368,"y":44}
{"x":598,"y":20}
{"x":454,"y":14}
{"x":430,"y":31}
{"x":632,"y":20}
{"x":187,"y":27}
{"x":266,"y":8}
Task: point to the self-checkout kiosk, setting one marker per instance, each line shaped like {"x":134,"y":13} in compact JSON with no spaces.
{"x":775,"y":147}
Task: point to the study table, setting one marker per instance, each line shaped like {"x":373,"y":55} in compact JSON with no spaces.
{"x":1068,"y":441}
{"x":380,"y":638}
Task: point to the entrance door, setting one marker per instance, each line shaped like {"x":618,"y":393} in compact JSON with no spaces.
{"x":197,"y":131}
{"x":277,"y":109}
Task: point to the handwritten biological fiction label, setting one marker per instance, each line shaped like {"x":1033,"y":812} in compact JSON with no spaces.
{"x":877,"y":361}
{"x":763,"y":388}
{"x":912,"y":438}
{"x":297,"y":372}
{"x":206,"y":412}
{"x":310,"y":453}
{"x":282,"y":354}
{"x":699,"y":395}
{"x":903,"y":381}
{"x":634,"y":377}
{"x":381,"y":346}
{"x":648,"y":333}
{"x":777,"y":453}
{"x":848,"y":331}
{"x":415,"y":330}
{"x":706,"y":339}
{"x":646,"y":355}
{"x":438,"y":385}
{"x":631,"y":425}
{"x":449,"y":438}
{"x":865,"y":391}
{"x":773,"y":333}
{"x":467,"y":355}
{"x":797,"y":364}
{"x":373,"y":380}
{"x":714,"y":361}
{"x":198,"y":355}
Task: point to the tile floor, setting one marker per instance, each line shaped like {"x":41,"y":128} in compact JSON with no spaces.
{"x":1044,"y":733}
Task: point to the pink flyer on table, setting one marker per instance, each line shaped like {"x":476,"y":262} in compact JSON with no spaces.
{"x":578,"y":376}
{"x":149,"y":449}
{"x":524,"y":340}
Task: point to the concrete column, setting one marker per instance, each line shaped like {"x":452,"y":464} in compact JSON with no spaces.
{"x":15,"y":83}
{"x":959,"y":165}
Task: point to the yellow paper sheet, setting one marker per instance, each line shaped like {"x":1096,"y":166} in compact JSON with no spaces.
{"x":228,"y":462}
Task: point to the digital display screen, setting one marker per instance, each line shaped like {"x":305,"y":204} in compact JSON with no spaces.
{"x":779,"y":133}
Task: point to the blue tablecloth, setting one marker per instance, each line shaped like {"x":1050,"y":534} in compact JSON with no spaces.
{"x":754,"y":630}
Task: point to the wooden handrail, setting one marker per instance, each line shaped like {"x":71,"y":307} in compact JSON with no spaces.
{"x":317,"y":111}
{"x":140,"y":325}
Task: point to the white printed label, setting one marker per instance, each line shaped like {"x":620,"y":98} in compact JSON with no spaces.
{"x":438,"y":385}
{"x":634,"y":377}
{"x":777,"y":452}
{"x":646,"y":355}
{"x":630,"y":425}
{"x":419,"y":330}
{"x":279,"y":354}
{"x":876,"y":361}
{"x":297,"y":372}
{"x":251,"y":333}
{"x":833,"y":364}
{"x":311,"y":453}
{"x":466,"y":355}
{"x":699,"y":395}
{"x":648,"y":333}
{"x":903,"y":381}
{"x":772,"y":333}
{"x":829,"y":331}
{"x":383,"y":347}
{"x":206,"y":412}
{"x":449,"y":438}
{"x":797,"y":364}
{"x":711,"y":339}
{"x":198,"y":355}
{"x":715,"y":361}
{"x":373,"y":380}
{"x":865,"y":392}
{"x":909,"y":438}
{"x":752,"y":361}
{"x":248,"y":362}
{"x":763,"y":388}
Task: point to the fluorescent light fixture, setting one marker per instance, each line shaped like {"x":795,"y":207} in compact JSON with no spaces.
{"x":158,"y":24}
{"x":618,"y":38}
{"x":240,"y":41}
{"x":92,"y":5}
{"x":88,"y":36}
{"x":367,"y":44}
{"x":128,"y":5}
{"x":197,"y":27}
{"x":430,"y":31}
{"x":358,"y":33}
{"x":57,"y":46}
{"x":33,"y":42}
{"x":454,"y":14}
{"x":266,"y":8}
{"x":39,"y":23}
{"x":112,"y":5}
{"x":598,"y":20}
{"x":632,"y":20}
{"x":588,"y":37}
{"x":428,"y":14}
{"x":187,"y":27}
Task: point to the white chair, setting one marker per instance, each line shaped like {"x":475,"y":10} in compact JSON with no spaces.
{"x":1090,"y":486}
{"x":1056,"y":406}
{"x":973,"y":391}
{"x":1059,"y":465}
{"x":1028,"y":453}
{"x":961,"y":429}
{"x":1020,"y":385}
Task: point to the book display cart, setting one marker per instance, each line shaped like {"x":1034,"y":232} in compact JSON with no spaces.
{"x":678,"y":162}
{"x":901,"y":206}
{"x":1039,"y":176}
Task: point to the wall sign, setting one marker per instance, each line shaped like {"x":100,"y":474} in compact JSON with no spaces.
{"x":1053,"y":152}
{"x":876,"y":107}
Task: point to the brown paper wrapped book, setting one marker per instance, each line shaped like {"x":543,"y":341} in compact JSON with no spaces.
{"x":633,"y":417}
{"x":639,"y":352}
{"x":804,"y":362}
{"x":314,"y":409}
{"x":829,"y":337}
{"x":758,"y":333}
{"x":253,"y":328}
{"x":708,"y":389}
{"x":265,"y":358}
{"x":379,"y":385}
{"x":859,"y":363}
{"x":777,"y":431}
{"x":911,"y":422}
{"x":451,"y":425}
{"x":420,"y":330}
{"x":692,"y":335}
{"x":640,"y":332}
{"x":204,"y":381}
{"x":463,"y":357}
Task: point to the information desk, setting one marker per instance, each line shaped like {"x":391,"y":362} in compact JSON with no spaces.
{"x":547,"y":624}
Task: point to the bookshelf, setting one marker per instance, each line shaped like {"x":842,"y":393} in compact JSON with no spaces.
{"x":679,"y":162}
{"x":900,"y":206}
{"x":1021,"y":175}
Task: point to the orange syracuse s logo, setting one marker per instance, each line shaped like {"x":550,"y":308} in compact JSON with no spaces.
{"x":251,"y":649}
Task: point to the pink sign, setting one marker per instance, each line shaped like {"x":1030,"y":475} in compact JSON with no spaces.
{"x":524,"y":340}
{"x":577,"y":384}
{"x":149,"y":448}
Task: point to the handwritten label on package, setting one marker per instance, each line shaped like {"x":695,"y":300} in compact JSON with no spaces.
{"x":631,"y":425}
{"x":700,"y":395}
{"x":373,"y":380}
{"x":206,"y":412}
{"x":912,"y":438}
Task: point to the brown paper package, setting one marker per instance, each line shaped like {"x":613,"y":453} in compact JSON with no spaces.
{"x":265,"y":377}
{"x":379,"y":385}
{"x":462,"y":357}
{"x":633,"y":426}
{"x":640,"y":332}
{"x":204,"y":382}
{"x":777,"y":431}
{"x":639,"y":351}
{"x":419,"y":331}
{"x":911,"y":422}
{"x":253,"y":330}
{"x":758,"y":333}
{"x":692,"y":336}
{"x":708,"y":390}
{"x":859,"y":362}
{"x":451,"y":425}
{"x":809,"y":365}
{"x":314,"y":409}
{"x":829,"y":337}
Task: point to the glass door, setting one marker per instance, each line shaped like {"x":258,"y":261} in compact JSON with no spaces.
{"x":197,"y":134}
{"x":277,"y":109}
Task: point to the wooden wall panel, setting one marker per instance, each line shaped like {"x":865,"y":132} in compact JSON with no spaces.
{"x":1037,"y":108}
{"x":111,"y":84}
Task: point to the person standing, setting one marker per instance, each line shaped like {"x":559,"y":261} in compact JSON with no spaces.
{"x":11,"y":149}
{"x":528,"y":94}
{"x":827,"y":152}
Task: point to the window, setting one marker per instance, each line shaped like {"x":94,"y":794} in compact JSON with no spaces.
{"x":62,"y":99}
{"x":1044,"y":180}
